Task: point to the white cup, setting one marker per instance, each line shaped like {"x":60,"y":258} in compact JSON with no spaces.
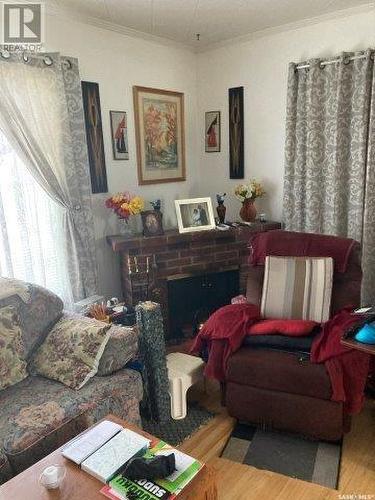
{"x":52,"y":476}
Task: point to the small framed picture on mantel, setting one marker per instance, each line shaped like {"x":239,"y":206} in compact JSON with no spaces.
{"x":212,"y":132}
{"x":195,"y":214}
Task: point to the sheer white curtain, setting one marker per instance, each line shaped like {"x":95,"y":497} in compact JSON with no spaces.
{"x":41,"y":116}
{"x":32,"y":236}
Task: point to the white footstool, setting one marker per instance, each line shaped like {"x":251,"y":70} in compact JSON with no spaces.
{"x":183,"y":372}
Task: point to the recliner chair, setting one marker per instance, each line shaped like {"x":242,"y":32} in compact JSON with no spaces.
{"x":281,"y":388}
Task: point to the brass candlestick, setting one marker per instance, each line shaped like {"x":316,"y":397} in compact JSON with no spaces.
{"x":139,"y":274}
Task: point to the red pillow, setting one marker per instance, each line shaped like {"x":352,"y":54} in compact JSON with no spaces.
{"x":290,"y":327}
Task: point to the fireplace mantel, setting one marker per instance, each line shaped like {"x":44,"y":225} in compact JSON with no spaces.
{"x":174,"y":255}
{"x":172,"y":237}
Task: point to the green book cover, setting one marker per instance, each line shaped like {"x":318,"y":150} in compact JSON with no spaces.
{"x":168,"y":488}
{"x":141,"y":490}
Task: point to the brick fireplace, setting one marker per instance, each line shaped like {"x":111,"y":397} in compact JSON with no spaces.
{"x":175,"y":256}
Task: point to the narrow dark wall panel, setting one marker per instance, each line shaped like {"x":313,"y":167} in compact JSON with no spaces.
{"x":94,"y":136}
{"x":236,"y":133}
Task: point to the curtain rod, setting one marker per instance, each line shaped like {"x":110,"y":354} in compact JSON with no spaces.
{"x":333,"y":61}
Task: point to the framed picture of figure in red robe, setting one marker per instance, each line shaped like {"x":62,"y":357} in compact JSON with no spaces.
{"x":212,"y":131}
{"x":119,"y":131}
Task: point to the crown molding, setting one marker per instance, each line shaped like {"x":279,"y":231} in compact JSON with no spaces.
{"x":193,"y":47}
{"x":337,"y":14}
{"x":70,"y":15}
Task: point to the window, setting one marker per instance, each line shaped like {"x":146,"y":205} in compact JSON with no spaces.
{"x":32,"y":246}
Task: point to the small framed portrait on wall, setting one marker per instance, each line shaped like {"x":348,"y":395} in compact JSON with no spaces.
{"x":212,"y":131}
{"x":119,"y":133}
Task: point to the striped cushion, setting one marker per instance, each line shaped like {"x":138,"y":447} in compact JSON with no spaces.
{"x":297,"y":288}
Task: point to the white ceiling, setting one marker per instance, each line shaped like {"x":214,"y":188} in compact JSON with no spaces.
{"x":215,"y":20}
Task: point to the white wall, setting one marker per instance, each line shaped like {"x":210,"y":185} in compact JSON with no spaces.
{"x":117,"y":62}
{"x":261,"y":65}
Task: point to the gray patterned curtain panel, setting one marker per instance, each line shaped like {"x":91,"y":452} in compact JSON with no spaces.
{"x":41,"y":114}
{"x":329,"y":183}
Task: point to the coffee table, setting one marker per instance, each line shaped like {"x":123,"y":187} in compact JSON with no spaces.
{"x":78,"y":485}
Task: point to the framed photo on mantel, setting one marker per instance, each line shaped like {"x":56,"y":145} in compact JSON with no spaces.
{"x":160,"y":135}
{"x":195,"y":214}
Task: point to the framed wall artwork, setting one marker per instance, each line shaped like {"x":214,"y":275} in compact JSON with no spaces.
{"x":94,"y":136}
{"x":212,"y":131}
{"x":236,"y":133}
{"x":119,"y":135}
{"x":159,"y":129}
{"x":195,"y":214}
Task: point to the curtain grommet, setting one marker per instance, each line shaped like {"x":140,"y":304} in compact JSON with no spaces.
{"x":25,"y":57}
{"x":5,"y":54}
{"x":322,"y":65}
{"x":346,"y":60}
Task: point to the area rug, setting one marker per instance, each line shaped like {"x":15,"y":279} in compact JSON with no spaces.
{"x":313,"y":461}
{"x":176,"y":431}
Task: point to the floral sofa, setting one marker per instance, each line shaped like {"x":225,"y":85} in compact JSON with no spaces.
{"x":38,"y":414}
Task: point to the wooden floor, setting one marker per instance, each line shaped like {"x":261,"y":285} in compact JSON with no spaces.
{"x":242,"y":482}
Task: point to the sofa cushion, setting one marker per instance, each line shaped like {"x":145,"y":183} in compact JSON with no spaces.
{"x":12,"y":351}
{"x":297,"y":288}
{"x":72,"y":350}
{"x":38,"y":414}
{"x":279,"y":371}
{"x":121,"y":347}
{"x":289,"y":327}
{"x":38,"y":310}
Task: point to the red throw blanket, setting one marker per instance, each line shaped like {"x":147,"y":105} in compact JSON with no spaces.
{"x":347,"y":368}
{"x":223,"y":334}
{"x":281,"y":243}
{"x":225,"y":330}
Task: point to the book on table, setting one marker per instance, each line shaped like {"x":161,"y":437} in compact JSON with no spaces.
{"x":158,"y":489}
{"x":111,"y":457}
{"x":84,"y":445}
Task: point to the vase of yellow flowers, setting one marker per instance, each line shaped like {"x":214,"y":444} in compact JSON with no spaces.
{"x":125,"y":205}
{"x":247,"y":194}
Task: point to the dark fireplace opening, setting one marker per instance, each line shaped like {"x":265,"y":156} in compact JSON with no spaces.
{"x":192,"y":299}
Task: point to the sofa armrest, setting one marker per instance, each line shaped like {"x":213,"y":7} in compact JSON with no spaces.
{"x":121,"y":348}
